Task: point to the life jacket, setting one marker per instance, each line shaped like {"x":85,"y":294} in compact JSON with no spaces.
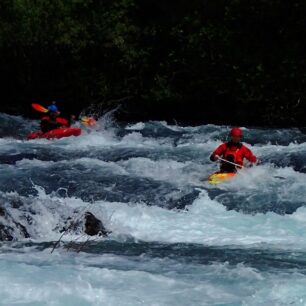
{"x":64,"y":122}
{"x":60,"y":121}
{"x":234,"y":153}
{"x":46,"y":118}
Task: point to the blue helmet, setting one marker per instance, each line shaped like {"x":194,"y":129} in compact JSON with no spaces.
{"x":52,"y":108}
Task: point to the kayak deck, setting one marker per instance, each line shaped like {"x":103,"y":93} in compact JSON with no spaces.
{"x":56,"y":133}
{"x":217,"y":178}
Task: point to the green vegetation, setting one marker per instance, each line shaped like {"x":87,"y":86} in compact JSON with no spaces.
{"x":218,"y":61}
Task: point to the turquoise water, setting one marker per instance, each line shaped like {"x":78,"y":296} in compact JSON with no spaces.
{"x":175,"y":240}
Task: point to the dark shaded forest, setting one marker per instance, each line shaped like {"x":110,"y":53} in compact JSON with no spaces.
{"x":198,"y":61}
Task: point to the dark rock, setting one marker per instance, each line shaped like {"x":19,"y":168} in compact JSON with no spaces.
{"x":4,"y":230}
{"x":16,"y":203}
{"x":94,"y":226}
{"x":13,"y":229}
{"x":8,"y":232}
{"x":5,"y":233}
{"x":2,"y":212}
{"x":22,"y":229}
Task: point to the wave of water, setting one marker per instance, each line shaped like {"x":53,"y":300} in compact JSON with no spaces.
{"x":175,"y":240}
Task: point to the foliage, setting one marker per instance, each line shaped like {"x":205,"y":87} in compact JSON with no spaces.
{"x":232,"y":62}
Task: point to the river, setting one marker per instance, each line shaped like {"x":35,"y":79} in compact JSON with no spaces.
{"x":175,"y":239}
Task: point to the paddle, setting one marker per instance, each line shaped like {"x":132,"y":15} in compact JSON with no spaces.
{"x":87,"y":121}
{"x":39,"y":108}
{"x":226,"y":161}
{"x":229,"y":162}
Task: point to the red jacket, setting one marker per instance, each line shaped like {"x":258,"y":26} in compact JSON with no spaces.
{"x":59,"y":120}
{"x":238,"y":151}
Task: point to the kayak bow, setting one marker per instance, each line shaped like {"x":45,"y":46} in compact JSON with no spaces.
{"x":56,"y":133}
{"x":217,"y":178}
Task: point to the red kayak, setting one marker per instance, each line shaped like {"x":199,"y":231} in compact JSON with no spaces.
{"x":56,"y":133}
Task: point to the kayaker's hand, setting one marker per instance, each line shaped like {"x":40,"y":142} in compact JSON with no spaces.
{"x":250,"y":164}
{"x":217,"y":157}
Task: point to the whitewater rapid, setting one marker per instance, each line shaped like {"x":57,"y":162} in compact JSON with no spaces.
{"x":175,"y":239}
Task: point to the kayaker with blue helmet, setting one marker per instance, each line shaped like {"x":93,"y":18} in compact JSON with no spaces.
{"x":53,"y":108}
{"x":52,"y":120}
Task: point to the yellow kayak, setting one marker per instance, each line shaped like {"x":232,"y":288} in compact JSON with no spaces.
{"x":217,"y":178}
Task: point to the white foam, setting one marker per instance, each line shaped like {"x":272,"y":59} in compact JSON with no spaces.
{"x":62,"y":279}
{"x":136,"y":127}
{"x":164,"y":170}
{"x":206,"y":222}
{"x":38,"y":278}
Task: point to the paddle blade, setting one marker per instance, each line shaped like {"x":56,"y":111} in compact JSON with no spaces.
{"x":88,"y":121}
{"x":39,"y":108}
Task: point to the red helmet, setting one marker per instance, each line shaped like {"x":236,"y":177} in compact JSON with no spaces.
{"x":236,"y":132}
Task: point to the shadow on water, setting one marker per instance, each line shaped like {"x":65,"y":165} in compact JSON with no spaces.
{"x":258,"y":257}
{"x":96,"y":184}
{"x":253,"y":204}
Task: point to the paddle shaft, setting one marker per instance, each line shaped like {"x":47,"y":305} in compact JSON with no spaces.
{"x":229,"y":162}
{"x":226,"y":161}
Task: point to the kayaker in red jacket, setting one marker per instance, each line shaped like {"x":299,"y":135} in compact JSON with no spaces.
{"x":234,"y":152}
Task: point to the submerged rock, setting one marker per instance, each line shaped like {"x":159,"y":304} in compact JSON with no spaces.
{"x":88,"y":223}
{"x":9,"y":228}
{"x":20,"y":218}
{"x":94,"y":226}
{"x":5,"y":233}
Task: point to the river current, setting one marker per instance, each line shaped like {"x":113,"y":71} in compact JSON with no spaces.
{"x":175,"y":239}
